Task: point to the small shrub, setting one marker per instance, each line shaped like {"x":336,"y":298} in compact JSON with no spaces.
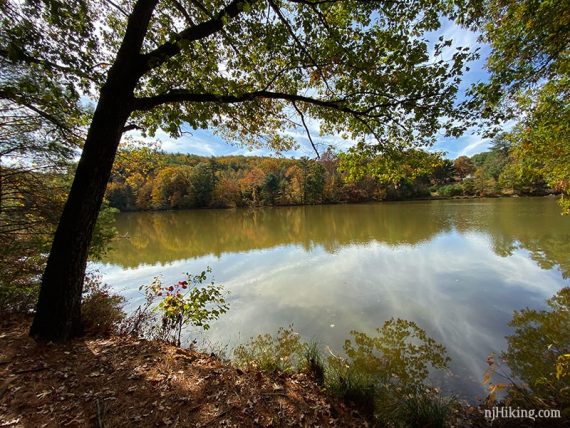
{"x":534,"y":371}
{"x":101,"y":310}
{"x":382,"y":376}
{"x":188,"y":302}
{"x":283,"y":353}
{"x":19,"y":298}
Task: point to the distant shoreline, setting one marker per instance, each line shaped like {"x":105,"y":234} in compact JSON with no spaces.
{"x":431,"y":198}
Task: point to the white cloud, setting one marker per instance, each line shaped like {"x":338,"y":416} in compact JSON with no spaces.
{"x":475,"y":144}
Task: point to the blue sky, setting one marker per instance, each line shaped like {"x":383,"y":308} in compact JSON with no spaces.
{"x":206,"y":143}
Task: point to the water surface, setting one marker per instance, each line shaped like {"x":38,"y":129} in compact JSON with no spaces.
{"x":458,"y":268}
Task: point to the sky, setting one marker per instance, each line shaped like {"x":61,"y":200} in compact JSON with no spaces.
{"x":205,"y":143}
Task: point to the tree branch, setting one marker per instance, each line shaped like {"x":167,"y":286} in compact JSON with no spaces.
{"x":298,"y":42}
{"x":181,"y":95}
{"x":26,"y":58}
{"x":116,"y":6}
{"x":130,"y":127}
{"x":26,"y":103}
{"x":184,"y":12}
{"x":306,"y":129}
{"x":204,"y":29}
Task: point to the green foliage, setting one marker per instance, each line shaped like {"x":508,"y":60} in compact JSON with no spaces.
{"x":537,"y":375}
{"x":293,"y":48}
{"x":393,"y":167}
{"x":188,"y":302}
{"x":463,"y":166}
{"x":178,"y":181}
{"x":202,"y":182}
{"x":101,"y":310}
{"x":104,"y":232}
{"x":314,"y":363}
{"x":379,"y":371}
{"x":538,"y":347}
{"x":31,"y":205}
{"x":423,"y":410}
{"x":541,"y":142}
{"x":352,"y":385}
{"x":285,"y":352}
{"x":399,"y":356}
{"x":529,"y":82}
{"x":451,"y":190}
{"x":383,"y":376}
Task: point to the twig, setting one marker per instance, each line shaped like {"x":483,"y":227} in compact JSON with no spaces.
{"x":99,"y":417}
{"x":34,"y":369}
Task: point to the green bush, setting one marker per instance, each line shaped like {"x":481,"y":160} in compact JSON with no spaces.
{"x":351,"y":385}
{"x":451,"y":190}
{"x":392,"y":365}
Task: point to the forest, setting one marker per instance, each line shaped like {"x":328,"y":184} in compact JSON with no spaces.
{"x":146,"y":179}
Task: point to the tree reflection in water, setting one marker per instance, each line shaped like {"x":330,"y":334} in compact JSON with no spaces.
{"x":534,"y":225}
{"x":537,"y":359}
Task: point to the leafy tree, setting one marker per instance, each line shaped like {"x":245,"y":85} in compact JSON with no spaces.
{"x":202,"y":181}
{"x":463,"y":166}
{"x":360,"y":67}
{"x":189,"y":302}
{"x":529,"y":82}
{"x":227,"y":189}
{"x":443,"y":173}
{"x":270,"y":189}
{"x":394,"y":168}
{"x":172,"y":188}
{"x":541,"y":143}
{"x":529,"y":41}
{"x":314,"y":183}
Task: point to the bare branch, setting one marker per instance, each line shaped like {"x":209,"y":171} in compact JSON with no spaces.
{"x":306,"y":129}
{"x":118,"y":7}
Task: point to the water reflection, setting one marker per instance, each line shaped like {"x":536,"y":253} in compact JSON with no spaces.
{"x":456,"y":268}
{"x":532,"y":224}
{"x":538,"y":354}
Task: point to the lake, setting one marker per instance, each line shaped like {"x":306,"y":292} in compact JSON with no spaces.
{"x":458,"y":268}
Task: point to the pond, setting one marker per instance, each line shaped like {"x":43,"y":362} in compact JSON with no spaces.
{"x":458,"y":268}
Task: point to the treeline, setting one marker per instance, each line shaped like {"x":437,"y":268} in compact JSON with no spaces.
{"x":146,"y":179}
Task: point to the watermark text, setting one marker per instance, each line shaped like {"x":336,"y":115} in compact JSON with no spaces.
{"x":518,"y":413}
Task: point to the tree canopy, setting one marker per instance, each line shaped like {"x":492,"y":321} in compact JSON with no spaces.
{"x":529,"y":83}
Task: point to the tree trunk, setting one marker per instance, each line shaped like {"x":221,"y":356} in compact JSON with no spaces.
{"x":58,"y":312}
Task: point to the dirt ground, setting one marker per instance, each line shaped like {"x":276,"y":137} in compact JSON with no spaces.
{"x":124,"y":382}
